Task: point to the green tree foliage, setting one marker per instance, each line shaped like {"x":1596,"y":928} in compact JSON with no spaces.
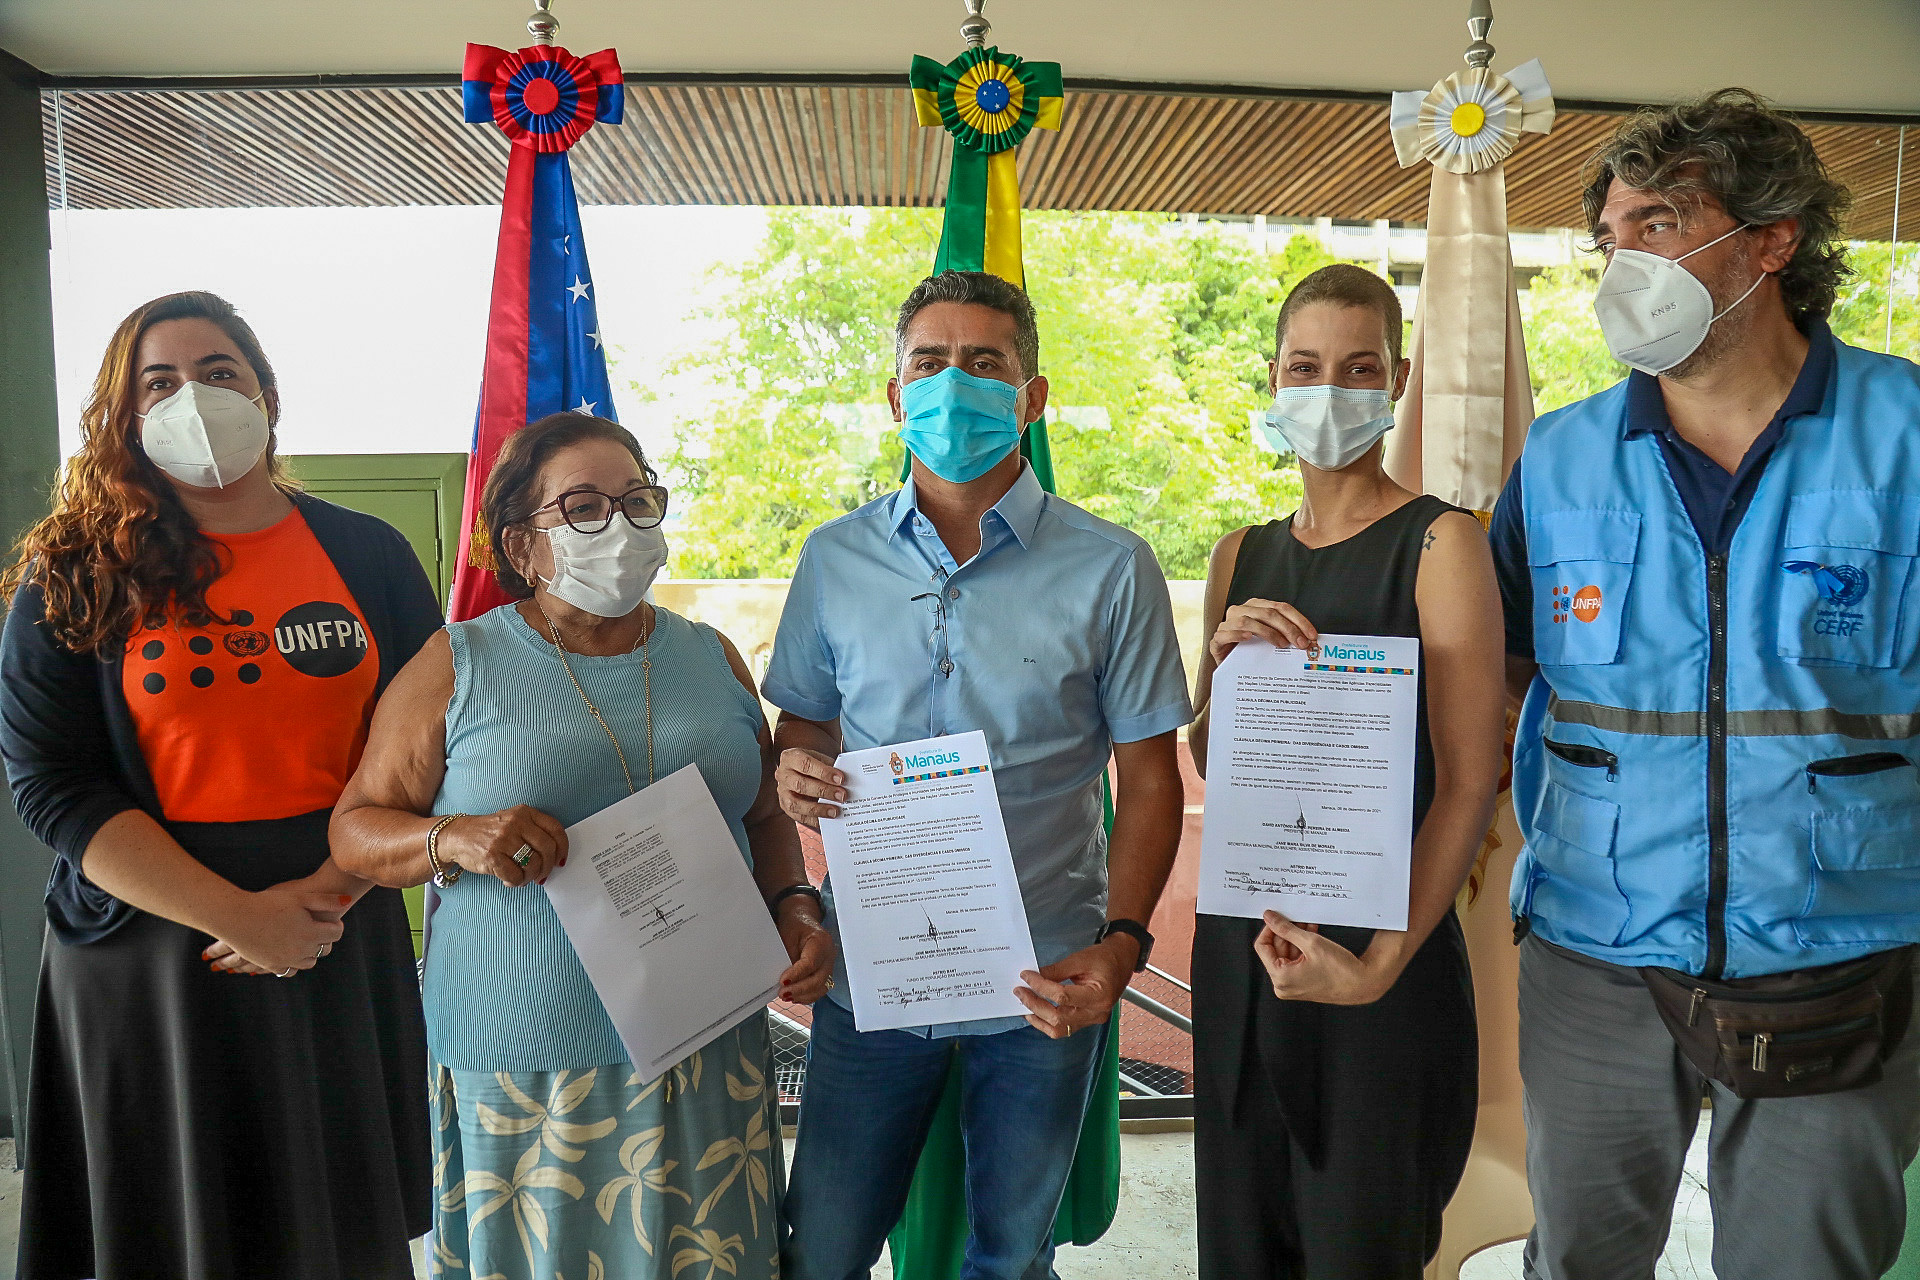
{"x":1860,"y":313}
{"x":1567,"y":359}
{"x":1154,"y":337}
{"x":809,"y":328}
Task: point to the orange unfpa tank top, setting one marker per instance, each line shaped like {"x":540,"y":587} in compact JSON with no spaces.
{"x":264,"y":718}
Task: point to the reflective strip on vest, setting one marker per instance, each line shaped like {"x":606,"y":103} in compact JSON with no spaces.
{"x":1746,"y":724}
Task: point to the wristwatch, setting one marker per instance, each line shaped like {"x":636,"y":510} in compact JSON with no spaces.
{"x":1135,"y":930}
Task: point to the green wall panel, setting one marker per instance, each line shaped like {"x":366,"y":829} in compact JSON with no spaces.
{"x":417,"y":493}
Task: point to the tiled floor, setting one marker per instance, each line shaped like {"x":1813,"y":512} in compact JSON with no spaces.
{"x":1689,"y":1254}
{"x":1153,"y":1232}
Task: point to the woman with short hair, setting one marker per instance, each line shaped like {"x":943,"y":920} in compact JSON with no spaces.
{"x":187,"y":674}
{"x":1335,"y":1072}
{"x":552,"y":1155}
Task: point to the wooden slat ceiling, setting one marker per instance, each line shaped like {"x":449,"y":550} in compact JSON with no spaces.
{"x":824,"y":145}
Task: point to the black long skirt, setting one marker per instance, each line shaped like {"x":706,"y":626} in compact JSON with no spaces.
{"x":1328,"y":1140}
{"x":187,"y":1125}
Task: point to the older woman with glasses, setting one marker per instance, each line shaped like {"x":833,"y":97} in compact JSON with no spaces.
{"x":552,"y":1157}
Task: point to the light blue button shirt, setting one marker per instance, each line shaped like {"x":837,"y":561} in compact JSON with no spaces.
{"x":1056,"y":641}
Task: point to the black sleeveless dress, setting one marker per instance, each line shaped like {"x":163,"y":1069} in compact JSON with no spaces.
{"x":1328,"y":1139}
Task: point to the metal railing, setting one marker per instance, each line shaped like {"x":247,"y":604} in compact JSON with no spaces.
{"x":1156,"y":1046}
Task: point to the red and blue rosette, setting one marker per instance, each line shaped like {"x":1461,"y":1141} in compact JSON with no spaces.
{"x":543,"y":98}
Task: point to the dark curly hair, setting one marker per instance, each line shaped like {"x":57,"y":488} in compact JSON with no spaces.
{"x":513,"y":486}
{"x":119,"y":550}
{"x":1755,"y":161}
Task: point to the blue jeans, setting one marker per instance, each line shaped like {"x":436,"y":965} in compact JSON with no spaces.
{"x":870,"y":1099}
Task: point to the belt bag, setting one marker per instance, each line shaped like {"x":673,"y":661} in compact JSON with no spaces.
{"x":1789,"y":1035}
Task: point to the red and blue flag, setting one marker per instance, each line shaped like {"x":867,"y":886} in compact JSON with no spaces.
{"x":545,"y":353}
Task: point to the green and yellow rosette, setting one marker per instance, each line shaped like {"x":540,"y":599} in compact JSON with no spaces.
{"x":989,"y":102}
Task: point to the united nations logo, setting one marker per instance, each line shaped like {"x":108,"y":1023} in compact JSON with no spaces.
{"x":899,"y":765}
{"x":246,"y":644}
{"x":1839,"y":585}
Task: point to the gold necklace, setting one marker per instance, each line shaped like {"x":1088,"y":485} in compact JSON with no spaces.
{"x":646,"y":681}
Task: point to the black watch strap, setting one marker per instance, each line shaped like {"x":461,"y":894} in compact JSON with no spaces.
{"x":1135,"y":930}
{"x":773,"y":906}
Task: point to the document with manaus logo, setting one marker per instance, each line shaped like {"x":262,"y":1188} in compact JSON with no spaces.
{"x":932,"y":926}
{"x":1310,"y":782}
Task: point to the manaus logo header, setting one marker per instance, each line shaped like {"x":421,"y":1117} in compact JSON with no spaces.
{"x":899,"y":767}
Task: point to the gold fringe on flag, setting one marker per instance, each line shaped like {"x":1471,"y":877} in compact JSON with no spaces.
{"x":480,"y":546}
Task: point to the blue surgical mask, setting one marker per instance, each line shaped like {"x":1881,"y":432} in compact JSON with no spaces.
{"x":961,"y":426}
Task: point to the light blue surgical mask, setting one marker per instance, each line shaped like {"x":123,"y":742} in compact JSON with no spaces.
{"x":959,"y":425}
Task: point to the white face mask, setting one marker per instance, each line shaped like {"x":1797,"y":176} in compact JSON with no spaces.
{"x":1327,"y":426}
{"x":1653,"y":312}
{"x":607,"y":573}
{"x":205,"y":436}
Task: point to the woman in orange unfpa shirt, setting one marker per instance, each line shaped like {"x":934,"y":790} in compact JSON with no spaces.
{"x":186,"y":678}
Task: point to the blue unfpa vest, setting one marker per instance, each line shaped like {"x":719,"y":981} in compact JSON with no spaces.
{"x":1715,"y":771}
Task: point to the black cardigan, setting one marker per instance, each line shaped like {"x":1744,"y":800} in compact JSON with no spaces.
{"x":72,"y":752}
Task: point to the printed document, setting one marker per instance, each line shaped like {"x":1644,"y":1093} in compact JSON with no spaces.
{"x":1310,"y":782}
{"x":667,"y":920}
{"x":932,"y":926}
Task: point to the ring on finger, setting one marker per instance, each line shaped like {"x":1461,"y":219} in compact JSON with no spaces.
{"x":285,"y":973}
{"x":523,"y":855}
{"x":326,"y":949}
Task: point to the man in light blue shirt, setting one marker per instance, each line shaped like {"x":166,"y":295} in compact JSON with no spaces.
{"x":972,"y":599}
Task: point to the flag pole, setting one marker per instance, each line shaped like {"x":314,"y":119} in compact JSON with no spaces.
{"x":989,"y":101}
{"x":1461,"y":424}
{"x":974,"y":28}
{"x":542,"y":25}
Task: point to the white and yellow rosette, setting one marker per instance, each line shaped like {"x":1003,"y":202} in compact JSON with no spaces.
{"x":1473,"y":119}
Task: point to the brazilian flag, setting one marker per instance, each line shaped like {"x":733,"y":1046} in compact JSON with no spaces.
{"x":989,"y":101}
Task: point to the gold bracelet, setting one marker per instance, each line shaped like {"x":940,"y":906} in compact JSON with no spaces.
{"x":443,"y":878}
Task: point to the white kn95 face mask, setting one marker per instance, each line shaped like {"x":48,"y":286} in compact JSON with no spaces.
{"x":1653,"y":312}
{"x":205,"y":436}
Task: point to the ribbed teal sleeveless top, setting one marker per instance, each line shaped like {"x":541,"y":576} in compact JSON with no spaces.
{"x":504,"y":989}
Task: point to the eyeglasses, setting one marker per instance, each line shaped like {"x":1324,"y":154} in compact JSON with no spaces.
{"x":590,"y":511}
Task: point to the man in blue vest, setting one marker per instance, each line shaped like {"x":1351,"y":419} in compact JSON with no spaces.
{"x":1712,"y":615}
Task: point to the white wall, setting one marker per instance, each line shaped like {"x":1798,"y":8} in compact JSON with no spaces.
{"x":375,"y":319}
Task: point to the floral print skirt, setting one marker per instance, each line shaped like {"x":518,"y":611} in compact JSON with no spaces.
{"x":594,"y":1175}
